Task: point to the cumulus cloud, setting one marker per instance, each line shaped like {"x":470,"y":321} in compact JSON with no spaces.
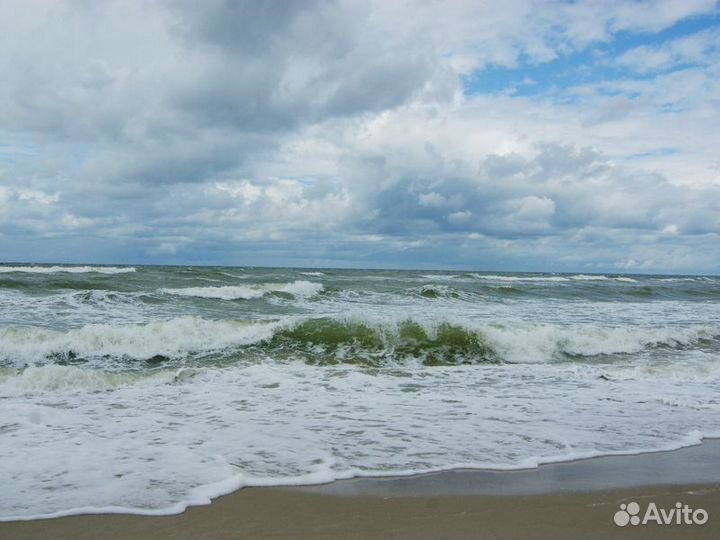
{"x":343,"y":133}
{"x":701,"y":48}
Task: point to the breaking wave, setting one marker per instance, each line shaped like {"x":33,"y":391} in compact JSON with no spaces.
{"x":350,"y":340}
{"x":439,"y":277}
{"x":178,"y":337}
{"x":302,"y":289}
{"x":578,"y":277}
{"x":328,"y":341}
{"x":66,"y":269}
{"x":331,"y":341}
{"x":435,"y":291}
{"x":53,"y":377}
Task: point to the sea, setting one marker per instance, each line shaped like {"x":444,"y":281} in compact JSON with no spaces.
{"x":145,"y":389}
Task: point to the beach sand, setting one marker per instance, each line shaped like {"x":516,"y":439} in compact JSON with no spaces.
{"x":572,"y":500}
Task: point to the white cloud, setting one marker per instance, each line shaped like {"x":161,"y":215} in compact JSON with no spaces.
{"x":215,"y":128}
{"x":701,"y":48}
{"x":459,"y":218}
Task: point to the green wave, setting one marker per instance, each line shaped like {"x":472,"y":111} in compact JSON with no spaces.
{"x":328,"y":341}
{"x":11,"y":284}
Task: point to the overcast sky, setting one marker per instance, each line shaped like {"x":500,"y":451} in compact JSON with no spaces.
{"x":513,"y":135}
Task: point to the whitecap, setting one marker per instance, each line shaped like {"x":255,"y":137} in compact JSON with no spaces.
{"x":246,"y":292}
{"x":67,"y":269}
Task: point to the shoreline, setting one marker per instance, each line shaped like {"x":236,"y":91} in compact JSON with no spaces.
{"x":697,"y":463}
{"x":574,"y":499}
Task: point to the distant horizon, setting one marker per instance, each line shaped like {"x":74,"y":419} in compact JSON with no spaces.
{"x":374,"y":268}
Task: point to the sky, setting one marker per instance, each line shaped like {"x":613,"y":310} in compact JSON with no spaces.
{"x":577,"y":136}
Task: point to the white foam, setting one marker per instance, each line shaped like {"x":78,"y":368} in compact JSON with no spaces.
{"x":679,"y":279}
{"x":577,"y":277}
{"x":586,"y":277}
{"x":524,"y":342}
{"x":205,"y":494}
{"x":493,"y":277}
{"x":228,"y":292}
{"x":140,"y":341}
{"x":543,"y":343}
{"x":439,"y":277}
{"x":313,"y":273}
{"x":598,"y":277}
{"x":247,"y":292}
{"x":156,"y":448}
{"x":52,"y":378}
{"x":66,"y":269}
{"x":298,"y":288}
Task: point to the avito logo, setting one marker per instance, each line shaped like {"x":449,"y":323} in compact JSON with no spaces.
{"x":681,"y":514}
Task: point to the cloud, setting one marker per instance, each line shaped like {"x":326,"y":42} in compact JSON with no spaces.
{"x":460,"y":217}
{"x":340,"y":133}
{"x":701,"y":48}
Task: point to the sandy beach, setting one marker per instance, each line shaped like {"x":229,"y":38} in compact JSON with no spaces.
{"x":571,"y":500}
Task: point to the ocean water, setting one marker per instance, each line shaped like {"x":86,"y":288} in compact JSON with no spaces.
{"x":146,"y":389}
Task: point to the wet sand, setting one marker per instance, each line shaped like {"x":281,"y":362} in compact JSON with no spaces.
{"x":574,"y":500}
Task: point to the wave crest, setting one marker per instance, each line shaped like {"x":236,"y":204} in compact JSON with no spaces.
{"x":302,"y":289}
{"x":330,"y":341}
{"x":558,"y":279}
{"x":173,"y":338}
{"x":66,"y":269}
{"x":341,"y":340}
